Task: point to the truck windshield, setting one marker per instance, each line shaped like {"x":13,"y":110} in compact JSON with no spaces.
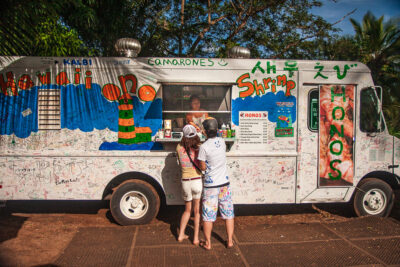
{"x":371,"y":120}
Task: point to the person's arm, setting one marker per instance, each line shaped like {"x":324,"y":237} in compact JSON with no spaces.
{"x":189,"y":118}
{"x":202,"y":165}
{"x":202,"y":158}
{"x":178,"y":156}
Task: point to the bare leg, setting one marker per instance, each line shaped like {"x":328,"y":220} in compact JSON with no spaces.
{"x":184,"y":220}
{"x":196,"y":211}
{"x":230,"y":225}
{"x":207,"y":228}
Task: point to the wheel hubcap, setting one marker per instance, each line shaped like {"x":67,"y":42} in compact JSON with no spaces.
{"x":134,"y":205}
{"x":374,"y":201}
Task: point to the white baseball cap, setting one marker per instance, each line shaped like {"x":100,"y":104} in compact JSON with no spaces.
{"x":189,"y":131}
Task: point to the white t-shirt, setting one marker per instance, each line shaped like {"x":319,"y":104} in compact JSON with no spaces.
{"x":213,"y":153}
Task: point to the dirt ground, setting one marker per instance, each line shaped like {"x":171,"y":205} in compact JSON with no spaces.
{"x":35,"y":233}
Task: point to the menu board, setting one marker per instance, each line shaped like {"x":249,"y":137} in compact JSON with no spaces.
{"x":253,"y":130}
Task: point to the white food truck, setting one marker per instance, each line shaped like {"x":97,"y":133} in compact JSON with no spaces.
{"x":91,"y":128}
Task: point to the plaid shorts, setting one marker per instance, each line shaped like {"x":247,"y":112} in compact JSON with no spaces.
{"x":217,"y":197}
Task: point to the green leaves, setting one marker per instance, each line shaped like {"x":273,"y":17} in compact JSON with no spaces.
{"x":379,"y":46}
{"x":34,"y":28}
{"x":56,"y":39}
{"x":281,"y":29}
{"x":270,"y":28}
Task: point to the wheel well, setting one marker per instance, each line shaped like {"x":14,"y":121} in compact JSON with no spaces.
{"x":117,"y":180}
{"x":392,"y":179}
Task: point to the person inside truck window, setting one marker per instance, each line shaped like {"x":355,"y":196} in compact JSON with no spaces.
{"x":196,"y":118}
{"x":192,"y":184}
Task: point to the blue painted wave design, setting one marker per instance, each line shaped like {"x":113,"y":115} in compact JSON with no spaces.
{"x":265,"y":102}
{"x":87,"y":109}
{"x":81,"y":108}
{"x":142,"y":146}
{"x":12,"y":120}
{"x":148,"y":114}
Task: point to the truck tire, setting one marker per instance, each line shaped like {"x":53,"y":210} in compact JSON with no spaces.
{"x":373,"y":197}
{"x":134,"y":202}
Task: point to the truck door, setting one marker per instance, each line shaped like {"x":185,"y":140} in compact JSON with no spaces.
{"x":326,"y":132}
{"x":307,"y":169}
{"x":374,"y":149}
{"x":336,"y":135}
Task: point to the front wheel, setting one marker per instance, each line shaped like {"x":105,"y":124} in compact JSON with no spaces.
{"x":373,"y":197}
{"x":134,"y":202}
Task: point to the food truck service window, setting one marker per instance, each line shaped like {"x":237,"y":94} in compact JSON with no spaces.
{"x":183,"y":103}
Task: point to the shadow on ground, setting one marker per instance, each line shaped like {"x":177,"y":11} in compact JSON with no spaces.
{"x":56,"y":206}
{"x":171,"y":214}
{"x":14,"y":221}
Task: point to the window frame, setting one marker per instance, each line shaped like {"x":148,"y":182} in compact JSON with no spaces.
{"x":229,"y":103}
{"x":379,"y":111}
{"x":316,"y":89}
{"x":49,"y":102}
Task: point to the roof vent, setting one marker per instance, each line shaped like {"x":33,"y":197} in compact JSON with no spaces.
{"x":239,"y":52}
{"x":128,"y":47}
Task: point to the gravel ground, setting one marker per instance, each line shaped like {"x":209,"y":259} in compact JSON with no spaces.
{"x":35,"y":232}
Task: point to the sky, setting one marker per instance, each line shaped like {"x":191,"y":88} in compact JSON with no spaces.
{"x":334,"y":11}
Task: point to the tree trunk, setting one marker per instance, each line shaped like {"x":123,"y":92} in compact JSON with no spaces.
{"x":182,"y":24}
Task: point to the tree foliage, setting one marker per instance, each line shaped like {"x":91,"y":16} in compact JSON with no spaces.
{"x":379,"y":47}
{"x":207,"y":28}
{"x":101,"y":23}
{"x":55,"y":39}
{"x":18,"y":26}
{"x":182,"y":28}
{"x":337,"y":48}
{"x":34,"y":28}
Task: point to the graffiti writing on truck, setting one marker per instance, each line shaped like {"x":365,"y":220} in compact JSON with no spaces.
{"x":268,"y":83}
{"x":10,"y":85}
{"x":112,"y":105}
{"x":340,"y":74}
{"x":260,"y":88}
{"x":189,"y":62}
{"x":112,"y":92}
{"x":78,"y":62}
{"x":336,"y":133}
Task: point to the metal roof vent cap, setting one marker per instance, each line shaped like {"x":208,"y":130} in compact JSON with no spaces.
{"x":239,"y":52}
{"x":128,"y":47}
